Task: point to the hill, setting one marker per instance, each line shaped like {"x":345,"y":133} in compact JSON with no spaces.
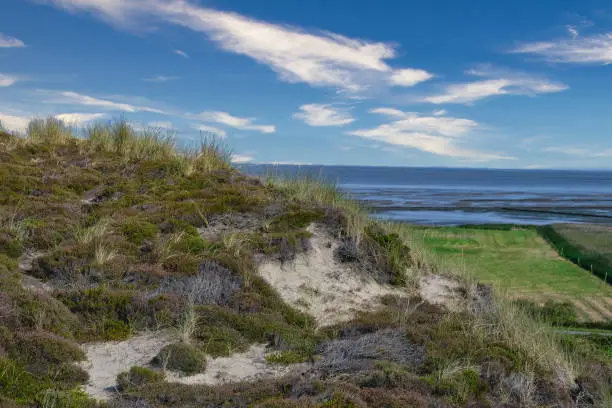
{"x":135,"y":274}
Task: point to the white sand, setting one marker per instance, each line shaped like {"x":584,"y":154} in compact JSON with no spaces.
{"x":248,"y":366}
{"x":440,"y":290}
{"x":316,"y":283}
{"x":106,"y":360}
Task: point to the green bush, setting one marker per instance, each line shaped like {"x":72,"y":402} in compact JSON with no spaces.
{"x":219,"y":340}
{"x":181,"y":357}
{"x":10,"y":246}
{"x":138,"y":231}
{"x":65,"y":399}
{"x":138,"y":376}
{"x":554,"y":313}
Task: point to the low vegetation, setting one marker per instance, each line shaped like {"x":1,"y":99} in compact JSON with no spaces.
{"x":118,"y":232}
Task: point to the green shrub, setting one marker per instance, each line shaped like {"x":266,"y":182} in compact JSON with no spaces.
{"x":285,"y":357}
{"x":104,"y":314}
{"x":192,"y":244}
{"x":138,"y":231}
{"x":181,"y":357}
{"x":138,"y":376}
{"x":10,"y":246}
{"x":65,"y":399}
{"x":219,"y":340}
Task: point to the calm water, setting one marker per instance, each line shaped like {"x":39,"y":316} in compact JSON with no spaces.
{"x":442,"y":196}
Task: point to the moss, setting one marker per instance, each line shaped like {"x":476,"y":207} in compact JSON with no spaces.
{"x":137,"y":376}
{"x":137,"y":231}
{"x":182,"y":357}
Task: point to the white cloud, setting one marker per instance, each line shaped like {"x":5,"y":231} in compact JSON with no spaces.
{"x":498,"y":82}
{"x":7,"y":80}
{"x":389,"y":112}
{"x":161,"y":78}
{"x":409,"y":77}
{"x":318,"y":59}
{"x":210,"y":129}
{"x":594,"y":49}
{"x":161,"y":125}
{"x":433,"y":134}
{"x":181,"y":53}
{"x":572,"y":30}
{"x":14,"y":123}
{"x":78,"y":118}
{"x":316,"y":114}
{"x":580,"y":151}
{"x":439,"y":112}
{"x":287,"y":163}
{"x":73,"y":98}
{"x":241,"y":158}
{"x":7,"y":41}
{"x":235,"y":122}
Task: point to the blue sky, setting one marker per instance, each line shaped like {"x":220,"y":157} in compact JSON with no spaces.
{"x":522,"y":84}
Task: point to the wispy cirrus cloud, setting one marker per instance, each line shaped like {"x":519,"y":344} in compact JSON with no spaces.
{"x":166,"y":125}
{"x":225,"y":118}
{"x":79,"y":118}
{"x":593,"y":49}
{"x":496,"y":82}
{"x":7,"y":80}
{"x":316,"y":114}
{"x":181,"y":53}
{"x":580,"y":151}
{"x":161,"y":78}
{"x":242,"y":158}
{"x":74,"y":98}
{"x":316,"y":58}
{"x":433,"y":134}
{"x":6,"y":41}
{"x":211,"y":129}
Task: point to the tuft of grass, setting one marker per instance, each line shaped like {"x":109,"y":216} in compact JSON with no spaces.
{"x":49,"y":131}
{"x":138,"y":376}
{"x":94,"y":233}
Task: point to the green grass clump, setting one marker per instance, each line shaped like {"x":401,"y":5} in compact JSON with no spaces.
{"x":138,"y":376}
{"x":137,"y":231}
{"x":182,"y":357}
{"x":554,"y":313}
{"x":285,"y":357}
{"x":219,"y":340}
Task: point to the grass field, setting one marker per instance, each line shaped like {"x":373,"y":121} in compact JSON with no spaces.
{"x":589,"y":246}
{"x":521,"y":262}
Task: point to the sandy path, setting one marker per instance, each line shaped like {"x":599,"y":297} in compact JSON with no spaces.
{"x":316,"y":283}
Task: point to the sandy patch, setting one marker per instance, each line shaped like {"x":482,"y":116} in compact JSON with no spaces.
{"x":248,"y":366}
{"x":316,"y":283}
{"x":106,"y":360}
{"x":439,"y":290}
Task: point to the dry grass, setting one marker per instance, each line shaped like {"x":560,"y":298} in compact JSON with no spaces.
{"x":50,"y":131}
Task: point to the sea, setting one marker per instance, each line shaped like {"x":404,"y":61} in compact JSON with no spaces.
{"x":459,"y":196}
